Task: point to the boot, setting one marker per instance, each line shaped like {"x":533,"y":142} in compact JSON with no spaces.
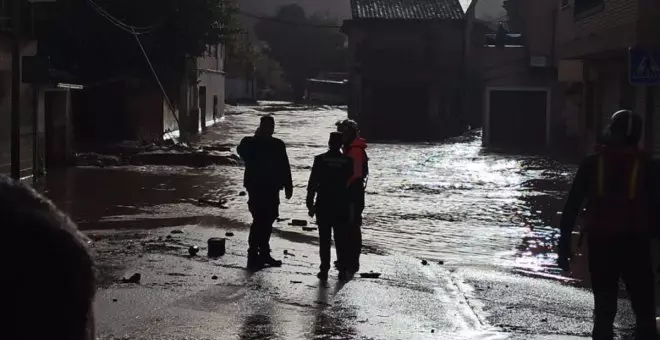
{"x":323,"y":275}
{"x":254,"y":261}
{"x":269,"y":261}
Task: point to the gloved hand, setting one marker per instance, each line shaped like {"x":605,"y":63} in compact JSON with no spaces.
{"x":564,"y":252}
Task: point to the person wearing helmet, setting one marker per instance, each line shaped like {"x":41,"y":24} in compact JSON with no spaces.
{"x":355,"y":148}
{"x":327,"y":182}
{"x":619,"y":185}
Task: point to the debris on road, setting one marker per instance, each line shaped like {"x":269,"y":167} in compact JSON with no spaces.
{"x":309,"y":229}
{"x":441,"y":262}
{"x":176,"y":231}
{"x":218,"y":203}
{"x":95,"y":159}
{"x":298,"y":223}
{"x":135,"y":278}
{"x":216,"y":247}
{"x":296,"y":282}
{"x":214,"y":277}
{"x":114,"y":300}
{"x":370,"y":275}
{"x":229,"y":234}
{"x":193,"y":250}
{"x":242,"y":193}
{"x":425,"y":263}
{"x":287,"y":253}
{"x":192,"y":157}
{"x":169,"y":237}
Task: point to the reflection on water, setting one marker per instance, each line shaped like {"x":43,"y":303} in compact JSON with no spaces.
{"x":451,"y":201}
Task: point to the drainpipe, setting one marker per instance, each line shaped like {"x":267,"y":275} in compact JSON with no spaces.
{"x":16,"y":91}
{"x":467,"y":40}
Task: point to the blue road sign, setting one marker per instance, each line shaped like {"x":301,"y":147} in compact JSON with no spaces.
{"x":644,"y":66}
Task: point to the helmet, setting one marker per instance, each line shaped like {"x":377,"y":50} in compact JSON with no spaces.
{"x":625,"y":128}
{"x":347,"y":125}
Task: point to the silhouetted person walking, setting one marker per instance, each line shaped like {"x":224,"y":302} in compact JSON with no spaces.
{"x":355,"y":148}
{"x":330,"y":173}
{"x":267,"y":171}
{"x":619,"y":184}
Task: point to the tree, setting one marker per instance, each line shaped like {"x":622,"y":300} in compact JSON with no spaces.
{"x":95,"y":40}
{"x":304,"y":46}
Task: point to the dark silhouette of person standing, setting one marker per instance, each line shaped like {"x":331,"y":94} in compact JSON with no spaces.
{"x":63,"y":308}
{"x":330,"y":173}
{"x":355,"y":148}
{"x":620,"y":187}
{"x":267,"y":171}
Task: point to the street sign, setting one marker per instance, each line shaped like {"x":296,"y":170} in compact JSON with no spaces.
{"x":644,"y":66}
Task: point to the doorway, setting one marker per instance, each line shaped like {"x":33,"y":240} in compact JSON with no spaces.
{"x":517,"y":118}
{"x":202,"y":107}
{"x":55,"y":106}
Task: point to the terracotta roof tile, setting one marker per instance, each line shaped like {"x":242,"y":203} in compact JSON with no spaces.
{"x":407,"y":9}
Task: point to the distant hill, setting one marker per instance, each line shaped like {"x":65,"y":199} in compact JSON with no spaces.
{"x":334,"y":8}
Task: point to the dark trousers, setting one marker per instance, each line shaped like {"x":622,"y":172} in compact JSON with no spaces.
{"x":353,"y":233}
{"x":331,"y":221}
{"x":264,"y":207}
{"x":627,"y":257}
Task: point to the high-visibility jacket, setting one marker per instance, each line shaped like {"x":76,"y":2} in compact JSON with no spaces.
{"x":618,"y":198}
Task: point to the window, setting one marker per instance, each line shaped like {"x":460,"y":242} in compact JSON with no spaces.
{"x":587,"y":7}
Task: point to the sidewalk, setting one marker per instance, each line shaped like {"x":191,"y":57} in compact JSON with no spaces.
{"x":179,"y":297}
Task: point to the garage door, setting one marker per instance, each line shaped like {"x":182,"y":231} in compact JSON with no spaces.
{"x":517,"y":119}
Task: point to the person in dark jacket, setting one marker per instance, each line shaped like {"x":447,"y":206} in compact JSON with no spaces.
{"x":43,"y":242}
{"x":267,"y":171}
{"x":330,"y":173}
{"x":620,"y":187}
{"x":355,"y":148}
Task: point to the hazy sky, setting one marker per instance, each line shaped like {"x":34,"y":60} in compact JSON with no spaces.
{"x":342,"y":8}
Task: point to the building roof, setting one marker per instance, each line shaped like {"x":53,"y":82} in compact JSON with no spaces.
{"x":407,"y":9}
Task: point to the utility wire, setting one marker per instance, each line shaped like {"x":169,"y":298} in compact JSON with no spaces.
{"x":121,"y":25}
{"x":284,"y":22}
{"x":133,"y":31}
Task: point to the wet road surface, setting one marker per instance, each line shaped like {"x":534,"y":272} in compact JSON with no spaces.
{"x":478,"y":211}
{"x":451,"y":201}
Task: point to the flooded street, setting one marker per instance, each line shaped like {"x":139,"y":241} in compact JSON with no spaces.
{"x":451,"y":201}
{"x":482,"y":220}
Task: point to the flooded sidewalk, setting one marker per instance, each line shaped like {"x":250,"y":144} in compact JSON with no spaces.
{"x":487,"y":217}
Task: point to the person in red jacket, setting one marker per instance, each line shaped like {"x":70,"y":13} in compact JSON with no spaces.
{"x":355,"y":148}
{"x":620,"y":187}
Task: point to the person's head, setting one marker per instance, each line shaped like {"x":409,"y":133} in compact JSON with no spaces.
{"x":335,"y":142}
{"x":267,"y":126}
{"x":349,"y":130}
{"x":624,"y":129}
{"x":49,"y":271}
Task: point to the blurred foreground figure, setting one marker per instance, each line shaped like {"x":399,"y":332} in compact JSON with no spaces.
{"x":267,"y":171}
{"x":355,"y":148}
{"x":330,"y":173}
{"x":620,"y":187}
{"x":47,"y":270}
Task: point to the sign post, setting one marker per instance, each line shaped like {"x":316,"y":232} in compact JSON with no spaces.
{"x":645,"y":71}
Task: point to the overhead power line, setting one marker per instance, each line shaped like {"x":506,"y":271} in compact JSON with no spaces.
{"x":133,"y":30}
{"x":120,"y":24}
{"x":285,"y":22}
